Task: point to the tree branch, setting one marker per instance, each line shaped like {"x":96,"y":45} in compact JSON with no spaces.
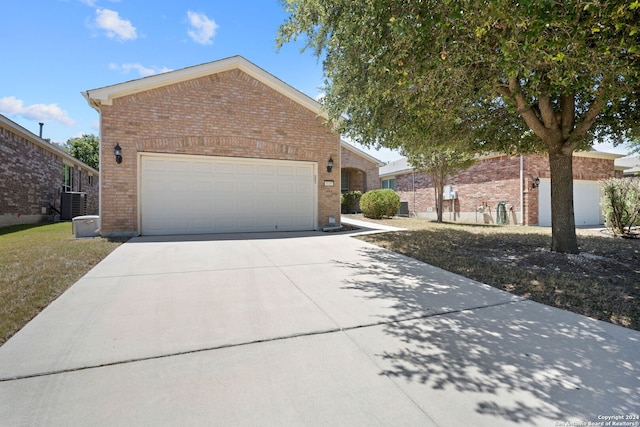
{"x":589,"y":118}
{"x":525,"y":111}
{"x":568,"y":114}
{"x":546,"y":112}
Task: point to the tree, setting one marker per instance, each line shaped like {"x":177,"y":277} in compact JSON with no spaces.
{"x":86,"y":149}
{"x":530,"y":76}
{"x":439,"y":163}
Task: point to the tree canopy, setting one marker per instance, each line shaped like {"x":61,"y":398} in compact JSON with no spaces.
{"x":516,"y":77}
{"x":86,"y":149}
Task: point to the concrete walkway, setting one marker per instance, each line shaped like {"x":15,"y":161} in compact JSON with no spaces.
{"x":306,"y":329}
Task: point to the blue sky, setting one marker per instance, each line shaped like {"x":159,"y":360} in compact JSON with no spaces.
{"x":55,"y":49}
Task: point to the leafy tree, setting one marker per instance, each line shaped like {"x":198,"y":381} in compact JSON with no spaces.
{"x":86,"y":149}
{"x":529,"y":76}
{"x":439,"y":163}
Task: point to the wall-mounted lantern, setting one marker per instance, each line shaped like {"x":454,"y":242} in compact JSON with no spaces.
{"x":536,"y":183}
{"x":330,"y":164}
{"x":117,"y":151}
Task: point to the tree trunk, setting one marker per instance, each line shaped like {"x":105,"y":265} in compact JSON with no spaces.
{"x":439,"y":190}
{"x":563,"y":223}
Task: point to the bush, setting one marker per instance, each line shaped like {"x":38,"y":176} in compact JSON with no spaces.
{"x":378,"y":204}
{"x":621,"y":204}
{"x":348,"y":201}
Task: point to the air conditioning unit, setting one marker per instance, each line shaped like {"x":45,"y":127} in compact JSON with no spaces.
{"x":72,"y":204}
{"x":446,"y":193}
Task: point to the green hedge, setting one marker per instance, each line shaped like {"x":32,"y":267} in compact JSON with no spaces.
{"x":621,"y":204}
{"x":378,"y":204}
{"x":348,"y":201}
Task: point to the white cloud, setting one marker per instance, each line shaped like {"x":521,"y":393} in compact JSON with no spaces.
{"x":116,"y":27}
{"x":202,"y":29}
{"x":11,"y":106}
{"x":91,"y":3}
{"x":141,"y":69}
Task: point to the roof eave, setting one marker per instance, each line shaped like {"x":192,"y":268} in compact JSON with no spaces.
{"x":105,"y":95}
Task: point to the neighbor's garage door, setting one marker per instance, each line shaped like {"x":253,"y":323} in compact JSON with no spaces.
{"x":586,"y":203}
{"x":199,"y":194}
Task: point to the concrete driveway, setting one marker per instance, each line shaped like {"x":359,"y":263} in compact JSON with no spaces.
{"x":306,"y":329}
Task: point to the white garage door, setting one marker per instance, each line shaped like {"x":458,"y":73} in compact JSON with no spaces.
{"x":199,"y":194}
{"x":586,"y":203}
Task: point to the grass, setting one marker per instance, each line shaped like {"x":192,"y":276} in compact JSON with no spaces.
{"x":37,"y":264}
{"x":602,"y":282}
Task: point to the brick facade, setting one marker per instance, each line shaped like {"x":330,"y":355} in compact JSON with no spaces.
{"x":363,"y":172}
{"x":31,"y":177}
{"x":493,"y":180}
{"x":229,"y":113}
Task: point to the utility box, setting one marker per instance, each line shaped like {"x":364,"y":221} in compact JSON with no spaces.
{"x":403,"y":210}
{"x":86,"y":225}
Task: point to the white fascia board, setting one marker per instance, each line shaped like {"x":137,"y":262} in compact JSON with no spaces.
{"x":49,"y":146}
{"x":106,"y":95}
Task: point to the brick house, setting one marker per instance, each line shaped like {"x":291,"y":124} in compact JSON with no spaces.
{"x":500,"y":188}
{"x":33,"y":175}
{"x":359,"y":170}
{"x":218,"y":147}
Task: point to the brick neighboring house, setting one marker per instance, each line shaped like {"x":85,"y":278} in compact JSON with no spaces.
{"x":34,"y":173}
{"x":218,"y":147}
{"x":521,"y":183}
{"x":359,"y":170}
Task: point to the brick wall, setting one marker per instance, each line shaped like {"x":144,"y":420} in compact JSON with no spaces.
{"x":363,"y":174}
{"x":225,"y":114}
{"x":490,"y":181}
{"x":31,"y":178}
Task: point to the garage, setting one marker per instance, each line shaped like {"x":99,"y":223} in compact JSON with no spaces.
{"x":586,"y":203}
{"x":184,"y":194}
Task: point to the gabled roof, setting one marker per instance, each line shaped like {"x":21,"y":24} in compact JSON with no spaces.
{"x":358,"y":152}
{"x":39,"y":142}
{"x":630,"y":165}
{"x":106,"y":95}
{"x":397,"y":167}
{"x":402,"y":166}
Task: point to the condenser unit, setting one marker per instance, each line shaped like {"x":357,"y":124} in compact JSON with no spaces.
{"x":72,"y":204}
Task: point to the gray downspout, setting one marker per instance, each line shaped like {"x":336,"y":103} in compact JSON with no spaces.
{"x":521,"y":189}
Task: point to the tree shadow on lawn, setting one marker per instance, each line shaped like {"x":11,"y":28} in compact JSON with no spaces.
{"x":491,"y":359}
{"x":602,"y":282}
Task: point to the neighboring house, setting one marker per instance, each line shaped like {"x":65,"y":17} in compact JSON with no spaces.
{"x":33,"y":175}
{"x":511,"y":189}
{"x":218,"y":147}
{"x":628,"y":166}
{"x":359,"y":169}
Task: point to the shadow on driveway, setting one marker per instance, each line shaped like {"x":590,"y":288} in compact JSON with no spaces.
{"x":517,"y":361}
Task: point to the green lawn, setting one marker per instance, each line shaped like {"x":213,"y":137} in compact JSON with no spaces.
{"x":37,"y":264}
{"x":602,"y":282}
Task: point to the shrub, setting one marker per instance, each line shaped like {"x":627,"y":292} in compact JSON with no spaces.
{"x":378,"y":204}
{"x":621,"y":204}
{"x":348,"y":201}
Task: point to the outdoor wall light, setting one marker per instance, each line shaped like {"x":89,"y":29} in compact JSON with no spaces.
{"x":118,"y":153}
{"x":330,"y":164}
{"x":536,"y":183}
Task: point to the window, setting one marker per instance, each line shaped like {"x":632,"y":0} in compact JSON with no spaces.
{"x":389,"y":183}
{"x":90,"y":179}
{"x":67,"y":178}
{"x":344,"y":181}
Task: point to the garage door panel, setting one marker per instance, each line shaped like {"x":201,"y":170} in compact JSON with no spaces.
{"x":266,"y":170}
{"x":188,"y":194}
{"x":586,"y":203}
